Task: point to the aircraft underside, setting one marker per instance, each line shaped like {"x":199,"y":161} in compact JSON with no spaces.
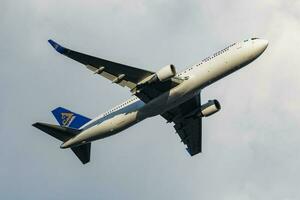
{"x":174,"y":96}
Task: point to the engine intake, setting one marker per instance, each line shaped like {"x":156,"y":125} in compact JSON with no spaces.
{"x":210,"y":108}
{"x":166,"y":73}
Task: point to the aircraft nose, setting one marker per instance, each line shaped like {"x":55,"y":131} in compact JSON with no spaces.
{"x":261,"y":46}
{"x":265,"y":43}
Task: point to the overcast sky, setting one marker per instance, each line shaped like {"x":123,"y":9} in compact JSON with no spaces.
{"x":251,"y":149}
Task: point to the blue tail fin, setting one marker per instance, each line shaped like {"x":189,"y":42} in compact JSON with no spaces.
{"x":68,"y":118}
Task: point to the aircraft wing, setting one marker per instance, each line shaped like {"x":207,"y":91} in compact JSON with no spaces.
{"x":188,"y":129}
{"x":121,"y":74}
{"x":117,"y":73}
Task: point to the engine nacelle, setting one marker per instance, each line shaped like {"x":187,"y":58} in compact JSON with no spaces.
{"x":166,"y":73}
{"x":211,"y":107}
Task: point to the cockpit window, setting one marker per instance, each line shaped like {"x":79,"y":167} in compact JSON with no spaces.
{"x":254,"y":38}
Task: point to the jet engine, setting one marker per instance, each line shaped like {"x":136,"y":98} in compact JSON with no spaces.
{"x":211,"y":107}
{"x":166,"y":73}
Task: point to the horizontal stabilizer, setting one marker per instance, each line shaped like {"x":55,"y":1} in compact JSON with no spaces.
{"x":59,"y":132}
{"x":63,"y":134}
{"x":83,"y":152}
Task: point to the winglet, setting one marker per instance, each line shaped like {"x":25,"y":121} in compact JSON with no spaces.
{"x":57,"y":47}
{"x":188,"y":150}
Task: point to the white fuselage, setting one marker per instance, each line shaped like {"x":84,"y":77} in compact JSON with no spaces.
{"x":195,"y":78}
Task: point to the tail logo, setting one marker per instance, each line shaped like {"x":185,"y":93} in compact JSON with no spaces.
{"x":67,"y":118}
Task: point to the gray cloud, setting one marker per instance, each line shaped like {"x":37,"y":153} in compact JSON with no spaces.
{"x":250,"y":149}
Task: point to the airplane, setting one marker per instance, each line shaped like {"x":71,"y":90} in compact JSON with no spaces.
{"x":174,"y":96}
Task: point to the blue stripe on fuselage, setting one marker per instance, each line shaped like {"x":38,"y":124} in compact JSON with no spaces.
{"x":127,"y":109}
